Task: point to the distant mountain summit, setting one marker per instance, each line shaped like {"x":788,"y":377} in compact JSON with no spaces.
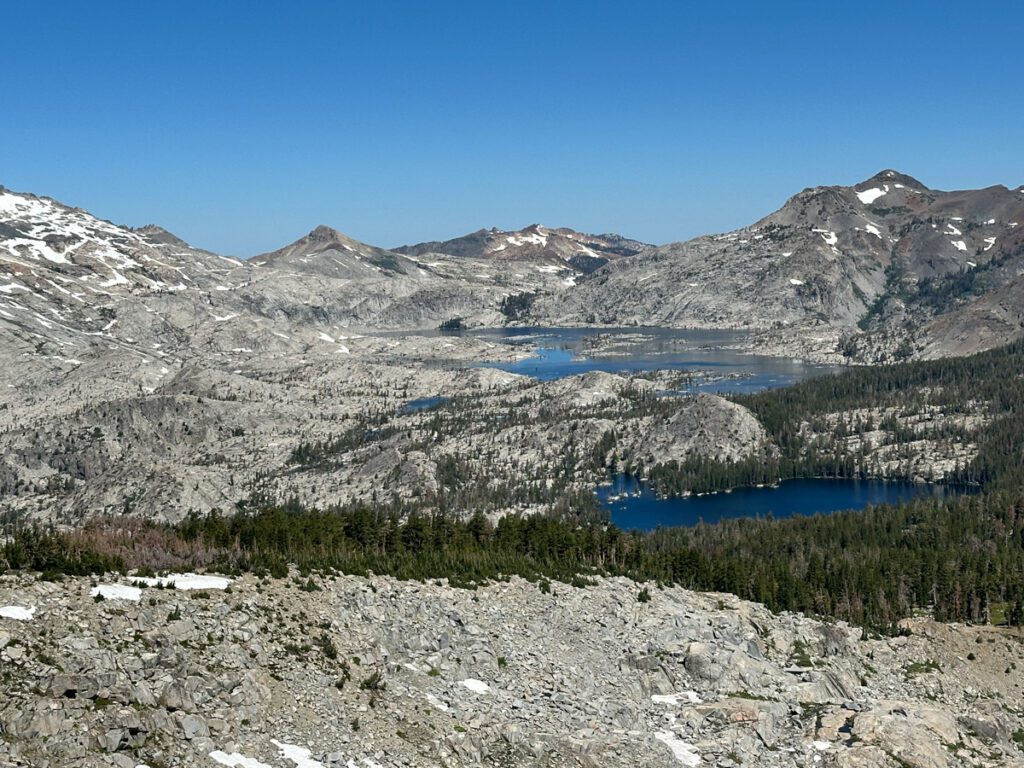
{"x":536,"y":244}
{"x":328,"y":252}
{"x":882,"y":269}
{"x":922,"y":271}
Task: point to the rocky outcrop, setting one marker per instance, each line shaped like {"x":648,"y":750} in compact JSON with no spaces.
{"x":707,"y":426}
{"x":340,"y":671}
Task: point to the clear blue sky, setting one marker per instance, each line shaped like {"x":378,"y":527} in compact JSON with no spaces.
{"x":242,"y":125}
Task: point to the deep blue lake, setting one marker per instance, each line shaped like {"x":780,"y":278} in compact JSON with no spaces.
{"x":793,"y":497}
{"x":560,"y":352}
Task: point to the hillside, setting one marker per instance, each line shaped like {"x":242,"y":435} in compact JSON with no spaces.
{"x":326,"y":671}
{"x":884,"y":269}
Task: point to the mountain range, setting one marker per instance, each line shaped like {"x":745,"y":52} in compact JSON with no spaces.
{"x":142,"y":372}
{"x":883,"y":269}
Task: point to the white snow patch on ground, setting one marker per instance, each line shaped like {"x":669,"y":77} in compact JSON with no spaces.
{"x":991,"y":221}
{"x":117,"y":592}
{"x":869,"y":196}
{"x":673,"y":699}
{"x":821,"y":746}
{"x":236,"y":760}
{"x":436,"y":703}
{"x":549,"y":268}
{"x":224,"y":318}
{"x":325,"y":337}
{"x":990,"y":241}
{"x":971,"y":264}
{"x":873,"y":230}
{"x":828,"y":236}
{"x":476,"y":686}
{"x":960,"y":245}
{"x":117,"y":279}
{"x":794,"y":281}
{"x":953,"y":230}
{"x":682,"y":751}
{"x":301,"y":756}
{"x":787,"y":254}
{"x":17,"y":612}
{"x":186,"y":581}
{"x":536,"y":239}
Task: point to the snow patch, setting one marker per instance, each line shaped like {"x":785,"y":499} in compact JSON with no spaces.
{"x":960,"y":245}
{"x":117,"y":592}
{"x":795,"y":281}
{"x":990,"y":241}
{"x":186,"y":581}
{"x":476,"y":686}
{"x":673,"y":699}
{"x":828,"y":236}
{"x":869,"y":196}
{"x":535,"y":239}
{"x":117,"y":279}
{"x":873,"y":230}
{"x":683,"y":752}
{"x":17,"y":612}
{"x":302,"y":757}
{"x":236,"y":760}
{"x":436,"y":703}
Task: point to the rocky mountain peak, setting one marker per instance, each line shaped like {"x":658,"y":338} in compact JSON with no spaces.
{"x":157,"y":234}
{"x":324,"y":234}
{"x":893,"y":177}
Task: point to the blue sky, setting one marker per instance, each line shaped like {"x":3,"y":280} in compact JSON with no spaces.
{"x":242,"y":125}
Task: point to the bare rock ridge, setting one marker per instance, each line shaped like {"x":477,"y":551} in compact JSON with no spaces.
{"x":534,"y":243}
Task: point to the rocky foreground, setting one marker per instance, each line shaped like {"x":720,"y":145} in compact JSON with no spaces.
{"x":349,"y":671}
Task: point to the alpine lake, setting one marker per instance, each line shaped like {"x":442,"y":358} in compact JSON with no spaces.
{"x":714,"y":363}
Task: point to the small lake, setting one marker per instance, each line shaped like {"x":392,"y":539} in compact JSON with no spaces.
{"x":639,"y":508}
{"x":560,"y":352}
{"x":423,"y":404}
